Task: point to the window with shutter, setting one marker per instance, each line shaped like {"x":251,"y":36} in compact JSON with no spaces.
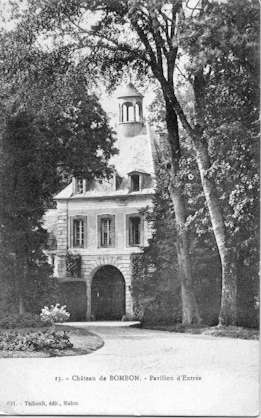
{"x":78,"y":232}
{"x":134,"y":230}
{"x":106,"y":231}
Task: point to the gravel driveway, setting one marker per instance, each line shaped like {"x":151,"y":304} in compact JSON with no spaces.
{"x":138,"y":372}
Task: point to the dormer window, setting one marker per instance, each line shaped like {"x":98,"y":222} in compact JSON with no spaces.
{"x":139,"y":180}
{"x":79,"y":186}
{"x":116,"y":181}
{"x":135,"y":182}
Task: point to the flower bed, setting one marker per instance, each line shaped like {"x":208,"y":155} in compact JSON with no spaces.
{"x":26,"y":340}
{"x":57,"y":340}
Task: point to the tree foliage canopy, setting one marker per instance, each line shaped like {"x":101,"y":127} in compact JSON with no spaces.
{"x":52,"y":128}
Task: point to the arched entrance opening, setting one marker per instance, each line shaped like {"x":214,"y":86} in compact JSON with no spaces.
{"x":108,"y":294}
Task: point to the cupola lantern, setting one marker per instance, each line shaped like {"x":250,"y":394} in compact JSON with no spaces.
{"x":130,"y":111}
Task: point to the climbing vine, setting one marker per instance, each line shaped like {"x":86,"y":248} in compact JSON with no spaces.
{"x":73,"y":264}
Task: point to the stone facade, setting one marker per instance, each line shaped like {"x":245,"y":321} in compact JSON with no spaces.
{"x":117,"y":201}
{"x":93,"y":257}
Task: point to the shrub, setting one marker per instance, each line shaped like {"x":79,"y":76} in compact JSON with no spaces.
{"x":26,"y":320}
{"x":165,"y":308}
{"x":34,"y":341}
{"x":44,"y":291}
{"x":56,"y":313}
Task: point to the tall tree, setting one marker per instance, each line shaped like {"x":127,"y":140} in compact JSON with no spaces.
{"x":52,"y":128}
{"x":23,"y":181}
{"x":222,"y":42}
{"x":233,"y":146}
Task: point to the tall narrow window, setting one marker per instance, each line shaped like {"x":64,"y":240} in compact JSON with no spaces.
{"x":138,"y":112}
{"x":134,"y":231}
{"x":135,"y":182}
{"x":106,"y":231}
{"x":124,"y":113}
{"x":131,"y":113}
{"x":78,"y":233}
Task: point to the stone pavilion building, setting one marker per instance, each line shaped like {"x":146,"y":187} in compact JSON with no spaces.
{"x":102,"y":223}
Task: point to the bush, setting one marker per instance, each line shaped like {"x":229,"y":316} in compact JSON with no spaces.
{"x":43,"y":291}
{"x":165,"y":308}
{"x":56,"y":313}
{"x":26,"y":320}
{"x":34,"y":341}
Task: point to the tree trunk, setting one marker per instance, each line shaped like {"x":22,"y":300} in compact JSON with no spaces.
{"x":21,"y":305}
{"x":20,"y":272}
{"x":190,"y":312}
{"x":228,"y":311}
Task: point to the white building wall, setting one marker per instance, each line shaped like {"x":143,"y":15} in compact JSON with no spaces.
{"x":92,"y":256}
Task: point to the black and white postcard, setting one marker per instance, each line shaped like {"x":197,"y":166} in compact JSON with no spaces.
{"x":129,"y":207}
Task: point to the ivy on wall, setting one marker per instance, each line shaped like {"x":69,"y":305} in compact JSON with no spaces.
{"x":73,"y":264}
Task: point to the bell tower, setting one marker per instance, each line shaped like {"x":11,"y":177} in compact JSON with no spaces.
{"x":130,"y":111}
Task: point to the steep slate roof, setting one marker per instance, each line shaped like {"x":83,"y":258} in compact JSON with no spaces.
{"x":135,"y":154}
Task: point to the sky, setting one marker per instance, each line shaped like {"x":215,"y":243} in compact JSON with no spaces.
{"x":108,"y":102}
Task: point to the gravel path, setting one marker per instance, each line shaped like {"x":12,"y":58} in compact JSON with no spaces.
{"x":138,"y":371}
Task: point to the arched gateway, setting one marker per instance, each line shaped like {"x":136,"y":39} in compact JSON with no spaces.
{"x":108,"y":294}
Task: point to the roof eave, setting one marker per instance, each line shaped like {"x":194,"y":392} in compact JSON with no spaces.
{"x":105,"y":197}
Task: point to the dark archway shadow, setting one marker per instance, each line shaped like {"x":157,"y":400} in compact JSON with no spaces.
{"x":108,"y":294}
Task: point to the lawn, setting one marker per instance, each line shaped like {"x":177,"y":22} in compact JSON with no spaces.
{"x":216,"y":331}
